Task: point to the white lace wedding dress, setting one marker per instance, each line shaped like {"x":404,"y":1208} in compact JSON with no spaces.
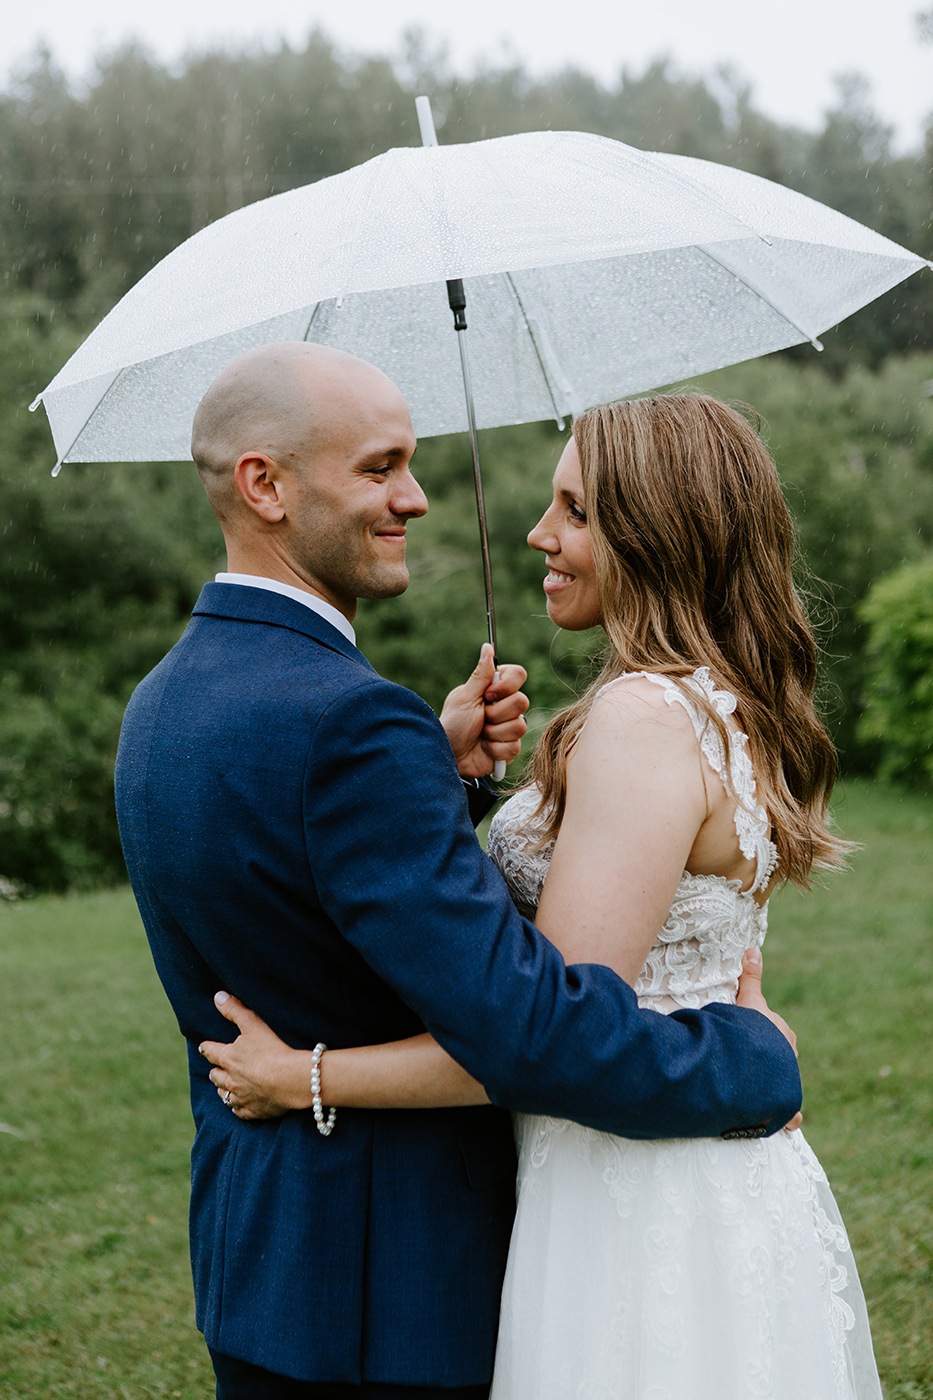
{"x":686,"y":1269}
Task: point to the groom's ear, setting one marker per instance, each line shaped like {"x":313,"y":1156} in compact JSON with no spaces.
{"x":258,"y":478}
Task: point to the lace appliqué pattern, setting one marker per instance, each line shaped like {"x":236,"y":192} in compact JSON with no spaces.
{"x":662,"y":1270}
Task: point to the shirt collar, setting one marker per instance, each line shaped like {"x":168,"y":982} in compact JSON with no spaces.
{"x":326,"y":610}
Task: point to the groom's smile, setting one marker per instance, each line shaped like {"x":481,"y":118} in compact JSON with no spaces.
{"x":353,"y":493}
{"x":322,"y":496}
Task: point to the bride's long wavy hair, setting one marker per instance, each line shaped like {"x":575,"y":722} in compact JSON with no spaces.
{"x":694,"y":550}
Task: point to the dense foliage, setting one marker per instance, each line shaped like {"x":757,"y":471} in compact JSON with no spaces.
{"x":899,"y":663}
{"x":99,"y":185}
{"x":98,"y":569}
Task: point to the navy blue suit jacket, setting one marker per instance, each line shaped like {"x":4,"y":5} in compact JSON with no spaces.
{"x":296,"y":832}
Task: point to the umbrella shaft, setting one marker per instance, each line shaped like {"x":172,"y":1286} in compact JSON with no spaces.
{"x":456,"y":298}
{"x":478,"y":484}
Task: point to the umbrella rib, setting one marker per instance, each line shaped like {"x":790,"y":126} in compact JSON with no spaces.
{"x":317,"y":307}
{"x":74,"y":441}
{"x":559,"y":414}
{"x":366,"y":199}
{"x":757,"y":291}
{"x":650,"y":159}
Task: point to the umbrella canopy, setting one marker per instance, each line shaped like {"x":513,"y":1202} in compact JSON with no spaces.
{"x":592,"y":271}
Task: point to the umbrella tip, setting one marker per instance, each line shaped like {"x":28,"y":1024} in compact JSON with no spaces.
{"x":35,"y":403}
{"x":57,"y":468}
{"x":426,"y":121}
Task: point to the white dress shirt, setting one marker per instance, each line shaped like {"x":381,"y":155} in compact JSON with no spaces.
{"x":326,"y":610}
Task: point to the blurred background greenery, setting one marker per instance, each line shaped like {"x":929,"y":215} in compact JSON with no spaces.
{"x":99,"y":569}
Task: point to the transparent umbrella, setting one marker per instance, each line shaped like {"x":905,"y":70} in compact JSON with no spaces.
{"x":591,"y":271}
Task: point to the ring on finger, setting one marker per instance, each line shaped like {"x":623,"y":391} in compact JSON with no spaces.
{"x":227,"y":1097}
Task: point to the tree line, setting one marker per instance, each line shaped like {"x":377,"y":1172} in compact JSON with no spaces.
{"x":101,"y":183}
{"x":98,"y":570}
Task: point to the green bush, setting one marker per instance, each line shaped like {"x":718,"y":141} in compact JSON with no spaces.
{"x":98,"y":572}
{"x":898,"y":714}
{"x":57,"y":827}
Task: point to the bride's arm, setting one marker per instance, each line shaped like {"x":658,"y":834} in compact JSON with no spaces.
{"x":636,"y":799}
{"x":266,"y":1078}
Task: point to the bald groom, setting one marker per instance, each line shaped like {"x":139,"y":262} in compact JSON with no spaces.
{"x":297,"y":831}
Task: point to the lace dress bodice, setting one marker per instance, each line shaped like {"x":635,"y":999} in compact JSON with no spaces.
{"x":697,"y":957}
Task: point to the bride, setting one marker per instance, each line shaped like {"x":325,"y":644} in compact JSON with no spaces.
{"x":665,"y":805}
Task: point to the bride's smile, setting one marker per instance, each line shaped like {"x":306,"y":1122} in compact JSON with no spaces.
{"x":556,"y":580}
{"x":563,"y":536}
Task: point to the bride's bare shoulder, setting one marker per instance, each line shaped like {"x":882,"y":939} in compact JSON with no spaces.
{"x":639,"y":699}
{"x":632,"y":726}
{"x":635,"y":741}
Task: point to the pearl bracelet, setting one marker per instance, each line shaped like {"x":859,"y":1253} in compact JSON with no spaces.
{"x":324,"y":1126}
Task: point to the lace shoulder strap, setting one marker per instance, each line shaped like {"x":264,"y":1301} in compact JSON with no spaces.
{"x":752,"y":824}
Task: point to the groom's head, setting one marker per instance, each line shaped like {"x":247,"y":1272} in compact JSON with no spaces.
{"x":305,"y":453}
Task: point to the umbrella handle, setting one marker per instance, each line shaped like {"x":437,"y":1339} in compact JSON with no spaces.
{"x":499,"y":766}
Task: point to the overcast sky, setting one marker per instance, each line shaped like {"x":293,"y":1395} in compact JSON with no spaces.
{"x":789,"y":50}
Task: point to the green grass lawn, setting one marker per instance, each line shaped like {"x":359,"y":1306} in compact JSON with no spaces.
{"x":95,"y":1294}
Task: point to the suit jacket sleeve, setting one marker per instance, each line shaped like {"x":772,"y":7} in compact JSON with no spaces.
{"x":398,"y":869}
{"x":480,"y":798}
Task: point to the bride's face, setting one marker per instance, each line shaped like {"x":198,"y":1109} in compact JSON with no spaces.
{"x":563,"y":537}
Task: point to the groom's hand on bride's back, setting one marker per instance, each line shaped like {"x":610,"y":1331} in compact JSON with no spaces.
{"x":484,"y":718}
{"x":751,"y":995}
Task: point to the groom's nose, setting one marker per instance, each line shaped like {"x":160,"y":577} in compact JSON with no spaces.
{"x":407,"y":497}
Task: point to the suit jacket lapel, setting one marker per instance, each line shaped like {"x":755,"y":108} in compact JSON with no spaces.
{"x":241,"y":603}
